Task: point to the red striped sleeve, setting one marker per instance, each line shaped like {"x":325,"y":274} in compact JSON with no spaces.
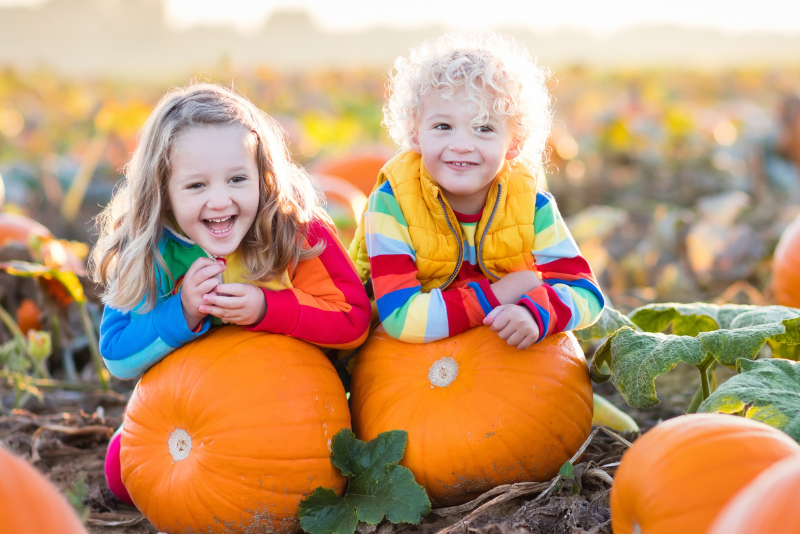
{"x":327,"y":304}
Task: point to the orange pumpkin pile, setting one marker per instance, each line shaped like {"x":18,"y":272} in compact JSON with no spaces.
{"x":768,"y":504}
{"x":231,"y":431}
{"x":478,"y":412}
{"x":29,"y":503}
{"x":786,"y":267}
{"x":678,"y":476}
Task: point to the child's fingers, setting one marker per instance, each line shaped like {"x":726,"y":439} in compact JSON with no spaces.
{"x":234,"y":290}
{"x":228,"y":302}
{"x":491,"y":315}
{"x":210,"y":271}
{"x":500,"y":323}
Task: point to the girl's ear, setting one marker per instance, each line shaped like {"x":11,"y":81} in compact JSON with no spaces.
{"x":514,"y":150}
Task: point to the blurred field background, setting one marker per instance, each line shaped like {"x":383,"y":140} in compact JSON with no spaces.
{"x":675,"y":156}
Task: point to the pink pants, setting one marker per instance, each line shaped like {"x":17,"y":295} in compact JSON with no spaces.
{"x":113,"y":469}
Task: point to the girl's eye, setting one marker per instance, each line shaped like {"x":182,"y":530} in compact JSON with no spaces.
{"x":196,"y":185}
{"x":238,"y":179}
{"x":485,"y":129}
{"x":441,"y":126}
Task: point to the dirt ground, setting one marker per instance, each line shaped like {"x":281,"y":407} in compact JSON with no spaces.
{"x":66,"y":438}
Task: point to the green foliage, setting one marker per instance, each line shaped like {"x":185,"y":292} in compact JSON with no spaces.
{"x":76,"y":495}
{"x":610,"y":321}
{"x":567,"y":473}
{"x":765,"y":390}
{"x":702,"y":334}
{"x":377,"y":487}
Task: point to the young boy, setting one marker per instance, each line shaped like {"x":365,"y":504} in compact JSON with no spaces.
{"x":456,"y":234}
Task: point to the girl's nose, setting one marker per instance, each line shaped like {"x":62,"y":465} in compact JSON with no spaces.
{"x":218,"y":199}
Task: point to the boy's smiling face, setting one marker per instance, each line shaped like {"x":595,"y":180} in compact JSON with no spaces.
{"x":463,"y":158}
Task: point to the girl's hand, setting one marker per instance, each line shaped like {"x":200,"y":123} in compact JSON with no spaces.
{"x":201,"y":278}
{"x":242,"y":304}
{"x":510,"y":288}
{"x":515,"y":324}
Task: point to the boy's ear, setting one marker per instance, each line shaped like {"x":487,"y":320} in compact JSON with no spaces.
{"x":413,"y":142}
{"x":514,"y":150}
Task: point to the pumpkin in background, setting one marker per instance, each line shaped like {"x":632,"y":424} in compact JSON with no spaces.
{"x":28,"y":316}
{"x":768,"y":504}
{"x":231,"y":431}
{"x":24,"y":230}
{"x":29,"y":503}
{"x":360,"y":169}
{"x":478,"y":412}
{"x":786,"y":267}
{"x":678,"y":475}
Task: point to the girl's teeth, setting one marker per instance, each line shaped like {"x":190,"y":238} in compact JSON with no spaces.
{"x":219,"y":226}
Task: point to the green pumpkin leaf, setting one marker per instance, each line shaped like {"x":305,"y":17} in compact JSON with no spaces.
{"x":703,"y":333}
{"x":636,"y":359}
{"x":610,"y":321}
{"x":377,"y":487}
{"x":766,"y":390}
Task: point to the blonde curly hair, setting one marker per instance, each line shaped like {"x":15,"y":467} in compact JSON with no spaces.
{"x":496,"y":71}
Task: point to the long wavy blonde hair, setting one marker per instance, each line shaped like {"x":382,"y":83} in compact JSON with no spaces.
{"x":130,"y":226}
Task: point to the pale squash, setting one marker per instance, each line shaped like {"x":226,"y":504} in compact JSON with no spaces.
{"x":231,"y":431}
{"x":29,"y":503}
{"x":478,"y":412}
{"x":677,"y":477}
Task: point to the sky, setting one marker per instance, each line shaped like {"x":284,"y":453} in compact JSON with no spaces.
{"x":598,"y":17}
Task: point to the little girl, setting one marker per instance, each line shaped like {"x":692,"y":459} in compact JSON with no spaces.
{"x":213,"y":224}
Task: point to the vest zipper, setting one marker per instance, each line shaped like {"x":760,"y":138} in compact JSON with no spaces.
{"x":458,"y":239}
{"x":486,"y":230}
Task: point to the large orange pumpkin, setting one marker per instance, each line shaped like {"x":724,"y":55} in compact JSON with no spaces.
{"x":29,"y":503}
{"x":478,"y":412}
{"x":231,"y":431}
{"x":678,"y":475}
{"x":786,"y":267}
{"x":768,"y":504}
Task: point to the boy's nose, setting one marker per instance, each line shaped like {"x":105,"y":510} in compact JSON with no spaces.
{"x":461,"y":144}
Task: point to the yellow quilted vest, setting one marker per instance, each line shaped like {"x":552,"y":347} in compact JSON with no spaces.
{"x":504,"y":235}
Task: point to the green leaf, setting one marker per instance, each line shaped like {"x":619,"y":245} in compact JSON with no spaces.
{"x":703,"y":333}
{"x":638,"y":358}
{"x":610,"y":321}
{"x":688,"y":319}
{"x":787,"y":352}
{"x":567,"y":469}
{"x":727,"y":346}
{"x":766,"y":390}
{"x":378,"y":487}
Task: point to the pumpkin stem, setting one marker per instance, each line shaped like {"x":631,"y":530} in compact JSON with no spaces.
{"x":443,"y":372}
{"x":180,"y":443}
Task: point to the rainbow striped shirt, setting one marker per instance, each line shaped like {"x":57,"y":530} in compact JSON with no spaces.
{"x":569,"y":298}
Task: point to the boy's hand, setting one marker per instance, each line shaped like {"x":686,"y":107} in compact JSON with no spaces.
{"x":510,"y":288}
{"x":515,"y":324}
{"x":242,"y":304}
{"x":201,"y":278}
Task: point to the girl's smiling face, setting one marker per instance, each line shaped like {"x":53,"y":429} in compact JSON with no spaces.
{"x":463,"y":158}
{"x":214,"y":186}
